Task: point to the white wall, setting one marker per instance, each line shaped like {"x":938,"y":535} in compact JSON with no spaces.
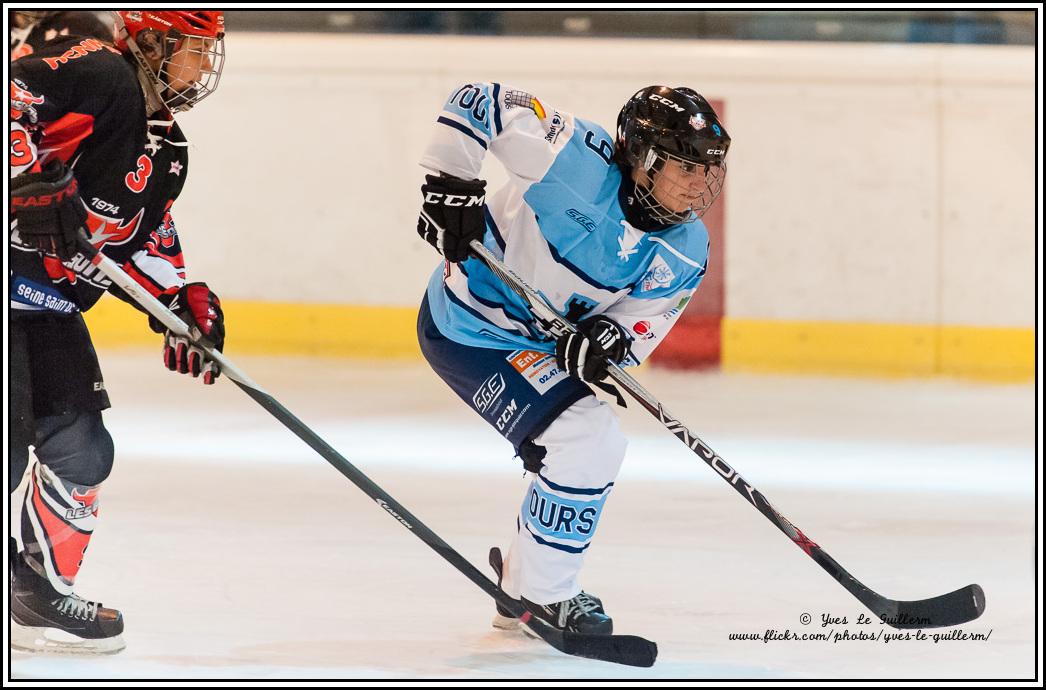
{"x":867,"y":182}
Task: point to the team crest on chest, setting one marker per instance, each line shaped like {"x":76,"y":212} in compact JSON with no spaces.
{"x":658,"y":276}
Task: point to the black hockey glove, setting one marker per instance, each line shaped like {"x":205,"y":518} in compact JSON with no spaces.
{"x":48,"y":209}
{"x":200,"y":308}
{"x":456,"y":207}
{"x":587,"y":353}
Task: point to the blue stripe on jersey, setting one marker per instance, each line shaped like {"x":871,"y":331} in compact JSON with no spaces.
{"x":472,"y":312}
{"x":464,"y":325}
{"x":572,"y":490}
{"x":491,"y":291}
{"x":491,"y":304}
{"x":578,"y":272}
{"x":473,"y":103}
{"x":497,"y":108}
{"x":493,"y":227}
{"x":561,"y":547}
{"x":463,"y":129}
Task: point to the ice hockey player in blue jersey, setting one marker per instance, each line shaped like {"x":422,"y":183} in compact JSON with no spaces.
{"x":608,"y":229}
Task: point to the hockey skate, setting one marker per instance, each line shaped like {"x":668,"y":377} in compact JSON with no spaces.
{"x":43,"y":620}
{"x":582,"y":614}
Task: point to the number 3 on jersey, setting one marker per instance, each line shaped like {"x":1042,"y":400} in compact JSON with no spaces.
{"x":21,"y":149}
{"x":137,"y":180}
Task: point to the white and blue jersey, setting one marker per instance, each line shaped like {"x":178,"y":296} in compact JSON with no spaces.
{"x":559,"y":224}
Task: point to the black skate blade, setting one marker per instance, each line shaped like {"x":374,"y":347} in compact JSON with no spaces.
{"x":954,"y":608}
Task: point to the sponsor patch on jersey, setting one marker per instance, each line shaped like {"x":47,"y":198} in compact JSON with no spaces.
{"x":22,"y":102}
{"x":166,"y":232}
{"x":509,"y":414}
{"x":581,"y":219}
{"x":538,"y":368}
{"x":81,"y":49}
{"x":658,"y":276}
{"x":554,"y":128}
{"x":489,"y":393}
{"x":644,"y":330}
{"x":524,"y":100}
{"x":40,"y":297}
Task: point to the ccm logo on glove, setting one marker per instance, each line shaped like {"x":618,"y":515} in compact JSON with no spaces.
{"x":454,"y":199}
{"x":452,"y":214}
{"x":587,"y":353}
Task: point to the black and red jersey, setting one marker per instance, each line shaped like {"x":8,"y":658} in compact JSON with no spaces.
{"x":80,"y":100}
{"x":58,"y":26}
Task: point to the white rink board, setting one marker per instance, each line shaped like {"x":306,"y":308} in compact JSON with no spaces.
{"x":236,"y":552}
{"x":879,"y":183}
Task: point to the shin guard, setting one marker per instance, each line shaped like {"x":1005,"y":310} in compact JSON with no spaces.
{"x":58,"y":519}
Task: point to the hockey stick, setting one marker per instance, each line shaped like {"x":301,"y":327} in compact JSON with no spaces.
{"x":621,"y":649}
{"x":961,"y":606}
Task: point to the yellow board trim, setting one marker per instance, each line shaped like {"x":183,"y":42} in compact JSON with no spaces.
{"x":277,"y":328}
{"x":878,"y":350}
{"x":779,"y":347}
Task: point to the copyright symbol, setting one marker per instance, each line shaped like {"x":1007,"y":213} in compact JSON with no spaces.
{"x":805,"y":619}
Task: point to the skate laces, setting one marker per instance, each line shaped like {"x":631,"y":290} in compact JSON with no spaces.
{"x":76,"y":607}
{"x":580,"y":605}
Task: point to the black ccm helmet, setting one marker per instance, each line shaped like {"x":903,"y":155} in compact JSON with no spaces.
{"x":659,"y":124}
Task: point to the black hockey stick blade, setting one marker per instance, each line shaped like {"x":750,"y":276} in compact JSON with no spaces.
{"x":629,"y":650}
{"x":623,"y":649}
{"x":954,"y":608}
{"x":619,"y":649}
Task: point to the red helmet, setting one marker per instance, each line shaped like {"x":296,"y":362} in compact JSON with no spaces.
{"x":183,"y":71}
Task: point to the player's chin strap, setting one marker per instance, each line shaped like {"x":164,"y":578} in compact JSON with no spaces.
{"x":621,"y":649}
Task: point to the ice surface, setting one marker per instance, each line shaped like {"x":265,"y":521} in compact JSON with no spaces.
{"x":235,"y":551}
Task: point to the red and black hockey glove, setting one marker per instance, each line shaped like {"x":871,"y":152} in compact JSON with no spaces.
{"x":200,"y":308}
{"x":456,"y":206}
{"x":48,"y":209}
{"x":587,"y":353}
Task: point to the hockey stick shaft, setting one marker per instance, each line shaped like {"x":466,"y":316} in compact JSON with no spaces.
{"x":956,"y":607}
{"x":622,"y":649}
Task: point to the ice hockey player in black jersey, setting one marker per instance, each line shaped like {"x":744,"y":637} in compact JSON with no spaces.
{"x":93,"y":145}
{"x":32,"y":29}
